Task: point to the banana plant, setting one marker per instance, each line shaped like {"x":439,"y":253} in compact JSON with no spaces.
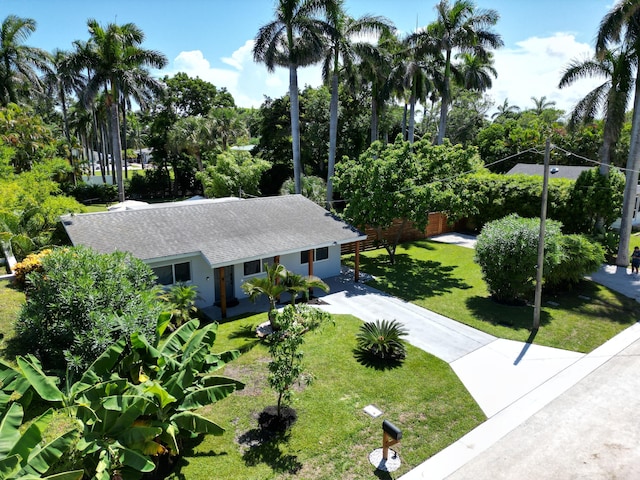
{"x":179,"y":375}
{"x":21,"y":454}
{"x":136,"y":401}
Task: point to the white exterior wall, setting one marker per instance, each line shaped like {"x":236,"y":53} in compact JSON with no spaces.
{"x":321,"y":268}
{"x":201,"y":277}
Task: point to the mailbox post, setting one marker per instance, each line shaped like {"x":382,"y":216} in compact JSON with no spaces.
{"x":391,"y":435}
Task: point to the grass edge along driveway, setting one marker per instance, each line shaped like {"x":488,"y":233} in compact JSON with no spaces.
{"x":445,"y":279}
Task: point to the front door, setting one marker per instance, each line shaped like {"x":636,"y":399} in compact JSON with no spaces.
{"x":228,"y":285}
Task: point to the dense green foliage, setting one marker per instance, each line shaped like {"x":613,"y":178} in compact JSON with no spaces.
{"x":135,"y":404}
{"x":81,"y":302}
{"x":233,"y":172}
{"x":400,"y":180}
{"x":507,"y":252}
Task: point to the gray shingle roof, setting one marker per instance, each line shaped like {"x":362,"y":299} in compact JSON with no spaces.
{"x":572,"y":172}
{"x":225,"y":233}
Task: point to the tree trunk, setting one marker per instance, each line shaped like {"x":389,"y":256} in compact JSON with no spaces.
{"x":333,"y":138}
{"x":412,"y":119}
{"x":374,"y":115}
{"x":444,"y":103}
{"x":404,"y":121}
{"x":295,"y":126}
{"x":117,"y":148}
{"x":124,"y":138}
{"x":631,"y":184}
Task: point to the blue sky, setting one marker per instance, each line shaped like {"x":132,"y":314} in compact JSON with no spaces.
{"x":212,"y":39}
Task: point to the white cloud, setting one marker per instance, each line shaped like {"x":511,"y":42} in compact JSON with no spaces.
{"x":247,"y":81}
{"x":534,"y":69}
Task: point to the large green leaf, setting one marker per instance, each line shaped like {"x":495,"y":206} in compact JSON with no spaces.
{"x":44,"y":385}
{"x":205,"y":336}
{"x":169,"y":438}
{"x":164,"y":320}
{"x":218,"y":360}
{"x":9,"y":466}
{"x":177,"y":383}
{"x":195,"y":423}
{"x":212,"y":380}
{"x":135,"y":460}
{"x":163,"y":397}
{"x":32,"y":436}
{"x":138,"y":434}
{"x":206,"y":396}
{"x":121,"y":403}
{"x":42,"y":460}
{"x":101,"y":368}
{"x":9,"y":429}
{"x":178,"y":339}
{"x":73,"y":475}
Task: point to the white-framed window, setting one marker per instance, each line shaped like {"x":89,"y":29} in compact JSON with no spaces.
{"x":318,"y":255}
{"x":253,"y":267}
{"x":172,"y":274}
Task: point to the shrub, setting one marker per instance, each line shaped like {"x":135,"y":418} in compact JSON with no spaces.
{"x":32,"y":263}
{"x":382,"y":339}
{"x":579,"y":257}
{"x":81,"y":302}
{"x":507,"y":251}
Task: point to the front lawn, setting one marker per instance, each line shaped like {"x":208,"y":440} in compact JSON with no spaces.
{"x":445,"y":279}
{"x":332,"y":437}
{"x":11,"y":301}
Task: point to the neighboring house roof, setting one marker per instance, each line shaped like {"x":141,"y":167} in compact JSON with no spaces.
{"x":572,"y":172}
{"x":225,"y":232}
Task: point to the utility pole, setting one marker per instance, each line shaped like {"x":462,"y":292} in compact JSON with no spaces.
{"x":543,"y":219}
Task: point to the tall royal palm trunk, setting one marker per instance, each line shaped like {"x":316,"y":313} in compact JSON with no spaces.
{"x":444,"y":105}
{"x":631,"y":184}
{"x":412,"y":118}
{"x":333,"y":138}
{"x":116,"y":147}
{"x":295,"y":125}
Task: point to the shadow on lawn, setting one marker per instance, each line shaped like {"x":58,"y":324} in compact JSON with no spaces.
{"x":512,"y":316}
{"x":246,"y":332}
{"x":367,"y":359}
{"x":264,"y":447}
{"x":413,"y":279}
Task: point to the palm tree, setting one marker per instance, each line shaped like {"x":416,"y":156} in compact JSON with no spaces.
{"x":476,"y":71}
{"x":458,"y":27}
{"x":295,"y":284}
{"x":117,"y":62}
{"x":541,"y":104}
{"x":227,"y":126}
{"x":271,"y":286}
{"x":18,"y":62}
{"x":193,"y":135}
{"x":343,"y":48}
{"x":63,"y":78}
{"x":506,"y":110}
{"x":296,"y":38}
{"x":622,"y":24}
{"x":616,"y":67}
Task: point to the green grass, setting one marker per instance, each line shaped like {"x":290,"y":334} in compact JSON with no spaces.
{"x":445,"y":279}
{"x":11,"y":301}
{"x":332,"y":437}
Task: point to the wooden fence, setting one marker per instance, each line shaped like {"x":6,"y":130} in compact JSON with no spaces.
{"x":437,"y":225}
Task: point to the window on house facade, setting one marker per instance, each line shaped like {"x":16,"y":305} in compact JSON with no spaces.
{"x":172,"y":274}
{"x":252,"y":267}
{"x":319,"y":254}
{"x":322,"y":253}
